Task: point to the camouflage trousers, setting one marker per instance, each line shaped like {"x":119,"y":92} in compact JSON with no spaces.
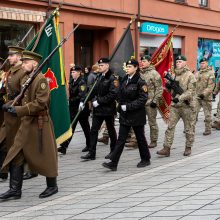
{"x":152,"y":121}
{"x":207,"y":108}
{"x":187,"y":115}
{"x":218,"y":111}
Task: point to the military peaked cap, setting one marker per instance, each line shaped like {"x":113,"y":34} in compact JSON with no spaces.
{"x":29,"y":55}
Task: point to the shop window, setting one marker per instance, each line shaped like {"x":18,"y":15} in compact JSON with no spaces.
{"x":203,"y":3}
{"x":11,"y":33}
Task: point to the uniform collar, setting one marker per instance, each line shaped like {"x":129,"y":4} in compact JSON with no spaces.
{"x":13,"y":69}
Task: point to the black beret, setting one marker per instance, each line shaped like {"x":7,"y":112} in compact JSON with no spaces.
{"x":103,"y":60}
{"x":181,"y":57}
{"x":76,"y":68}
{"x":146,"y":57}
{"x":132,"y":62}
{"x":203,"y":60}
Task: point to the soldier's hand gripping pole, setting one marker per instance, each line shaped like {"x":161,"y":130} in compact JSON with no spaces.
{"x":33,"y":75}
{"x":85,"y":101}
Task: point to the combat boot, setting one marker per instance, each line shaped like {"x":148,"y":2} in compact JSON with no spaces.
{"x":187,"y":151}
{"x":104,"y":139}
{"x":51,"y":187}
{"x":164,"y":152}
{"x":152,"y":144}
{"x":206,"y":132}
{"x":216,"y":125}
{"x":15,"y":184}
{"x":131,"y":145}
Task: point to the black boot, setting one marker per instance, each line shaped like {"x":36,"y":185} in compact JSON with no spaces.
{"x":111,"y":166}
{"x":62,"y":150}
{"x":88,"y":156}
{"x":16,"y":180}
{"x":51,"y":187}
{"x":4,"y":176}
{"x":29,"y":175}
{"x":64,"y":147}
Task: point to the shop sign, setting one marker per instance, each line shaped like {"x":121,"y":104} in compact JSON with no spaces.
{"x":154,"y":28}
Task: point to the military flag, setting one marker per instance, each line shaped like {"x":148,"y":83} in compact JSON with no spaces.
{"x":122,"y":52}
{"x":162,"y":59}
{"x":43,"y":43}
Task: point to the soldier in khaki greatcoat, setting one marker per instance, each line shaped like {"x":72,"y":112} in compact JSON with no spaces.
{"x":12,"y":88}
{"x":35,"y":141}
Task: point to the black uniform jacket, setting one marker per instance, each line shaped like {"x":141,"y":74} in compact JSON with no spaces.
{"x":77,"y":92}
{"x":105,"y":93}
{"x":134,"y":96}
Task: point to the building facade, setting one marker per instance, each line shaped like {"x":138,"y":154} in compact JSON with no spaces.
{"x":102,"y":23}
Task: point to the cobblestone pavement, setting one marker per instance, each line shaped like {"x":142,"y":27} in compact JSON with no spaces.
{"x":171,"y":188}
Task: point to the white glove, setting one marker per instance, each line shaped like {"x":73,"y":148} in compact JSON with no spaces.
{"x":81,"y":106}
{"x":123,"y":108}
{"x":95,"y":104}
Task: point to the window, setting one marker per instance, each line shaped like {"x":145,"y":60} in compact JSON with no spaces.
{"x":11,"y":33}
{"x":203,"y":3}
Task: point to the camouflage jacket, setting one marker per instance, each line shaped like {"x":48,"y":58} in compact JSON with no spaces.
{"x":205,"y":83}
{"x":154,"y":84}
{"x":217,"y":87}
{"x":187,"y":82}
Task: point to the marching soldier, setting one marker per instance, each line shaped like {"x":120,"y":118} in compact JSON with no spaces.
{"x":204,"y":87}
{"x":77,"y":91}
{"x":131,"y":106}
{"x":12,"y":88}
{"x":35,"y":140}
{"x":104,"y":107}
{"x":155,"y":90}
{"x":182,"y":106}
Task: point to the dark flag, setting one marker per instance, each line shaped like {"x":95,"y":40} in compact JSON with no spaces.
{"x":123,"y":51}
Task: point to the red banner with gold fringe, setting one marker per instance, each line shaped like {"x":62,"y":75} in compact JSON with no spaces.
{"x":162,"y":59}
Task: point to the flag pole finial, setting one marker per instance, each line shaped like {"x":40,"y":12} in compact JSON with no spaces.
{"x":175,"y":28}
{"x":132,"y":19}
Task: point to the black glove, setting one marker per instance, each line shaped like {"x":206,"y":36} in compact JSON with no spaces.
{"x":168,"y":86}
{"x":201,"y":96}
{"x":153,"y":105}
{"x":5,"y":107}
{"x":176,"y":100}
{"x":9,"y":109}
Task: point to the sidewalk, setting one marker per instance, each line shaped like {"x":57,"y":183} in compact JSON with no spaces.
{"x":176,"y":187}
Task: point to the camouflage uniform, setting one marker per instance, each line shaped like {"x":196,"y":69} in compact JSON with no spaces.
{"x":187,"y":82}
{"x":216,"y":123}
{"x":204,"y":86}
{"x":155,"y":90}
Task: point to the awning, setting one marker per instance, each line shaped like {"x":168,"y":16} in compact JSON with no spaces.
{"x":21,"y":15}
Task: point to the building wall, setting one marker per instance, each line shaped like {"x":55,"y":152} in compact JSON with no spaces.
{"x":110,"y":18}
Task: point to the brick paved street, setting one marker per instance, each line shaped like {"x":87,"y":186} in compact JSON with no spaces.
{"x":171,"y":188}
